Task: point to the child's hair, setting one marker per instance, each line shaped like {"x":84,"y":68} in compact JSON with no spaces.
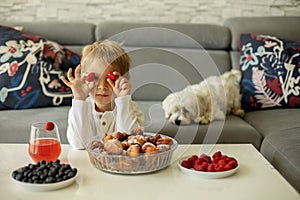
{"x":108,"y":53}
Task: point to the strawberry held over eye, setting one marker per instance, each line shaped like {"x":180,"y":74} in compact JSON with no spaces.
{"x":49,"y":126}
{"x":112,"y":76}
{"x":90,"y":77}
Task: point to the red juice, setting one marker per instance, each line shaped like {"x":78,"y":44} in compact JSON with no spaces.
{"x":44,"y":149}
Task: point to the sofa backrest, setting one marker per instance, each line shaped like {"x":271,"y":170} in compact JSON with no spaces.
{"x":72,"y":35}
{"x":168,"y":57}
{"x":283,"y":27}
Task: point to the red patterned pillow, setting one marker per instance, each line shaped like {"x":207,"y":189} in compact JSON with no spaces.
{"x":30,"y":71}
{"x":270,"y":72}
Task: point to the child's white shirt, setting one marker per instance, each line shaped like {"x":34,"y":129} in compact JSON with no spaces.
{"x":84,"y":121}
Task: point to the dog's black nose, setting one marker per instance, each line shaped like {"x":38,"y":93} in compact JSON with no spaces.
{"x":177,"y":122}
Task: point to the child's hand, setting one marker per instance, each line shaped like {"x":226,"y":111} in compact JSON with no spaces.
{"x":121,"y":85}
{"x":79,"y":86}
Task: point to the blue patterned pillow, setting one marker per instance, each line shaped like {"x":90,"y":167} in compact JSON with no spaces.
{"x":30,"y":70}
{"x":270,"y":72}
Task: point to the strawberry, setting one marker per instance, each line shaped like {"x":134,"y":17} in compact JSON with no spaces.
{"x":49,"y":126}
{"x":112,"y":76}
{"x":90,"y":77}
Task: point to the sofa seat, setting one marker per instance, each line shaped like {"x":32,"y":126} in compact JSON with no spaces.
{"x":281,"y":148}
{"x":15,"y":124}
{"x":269,"y":121}
{"x":233,"y":130}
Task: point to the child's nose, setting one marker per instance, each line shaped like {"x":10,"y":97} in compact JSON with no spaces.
{"x":102,"y":84}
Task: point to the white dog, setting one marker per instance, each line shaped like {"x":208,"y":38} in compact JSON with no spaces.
{"x":211,"y":99}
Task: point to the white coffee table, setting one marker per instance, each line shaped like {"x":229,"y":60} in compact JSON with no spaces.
{"x":255,"y":179}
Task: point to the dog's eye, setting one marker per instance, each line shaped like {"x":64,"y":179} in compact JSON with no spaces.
{"x":184,"y":110}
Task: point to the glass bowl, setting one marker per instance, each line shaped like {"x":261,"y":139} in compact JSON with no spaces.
{"x":125,"y":164}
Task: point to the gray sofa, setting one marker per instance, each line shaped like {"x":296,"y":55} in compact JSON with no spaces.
{"x":166,"y":58}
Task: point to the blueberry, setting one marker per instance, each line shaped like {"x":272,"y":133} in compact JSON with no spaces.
{"x":59,"y":175}
{"x":67,"y":171}
{"x":37,"y":181}
{"x":52,"y":174}
{"x":27,"y":172}
{"x":14,"y":174}
{"x":34,"y":177}
{"x":30,"y":174}
{"x":19,"y":177}
{"x":31,"y":166}
{"x":71,"y":174}
{"x":50,"y":180}
{"x":42,"y":162}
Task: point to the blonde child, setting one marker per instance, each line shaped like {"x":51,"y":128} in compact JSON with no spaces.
{"x":101,"y":104}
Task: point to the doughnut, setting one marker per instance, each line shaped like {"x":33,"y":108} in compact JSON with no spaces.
{"x":134,"y":150}
{"x":113,"y":146}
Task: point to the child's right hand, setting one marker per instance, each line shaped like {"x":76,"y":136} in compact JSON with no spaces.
{"x":79,"y":86}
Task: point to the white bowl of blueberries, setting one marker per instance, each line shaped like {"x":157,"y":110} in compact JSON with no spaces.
{"x":44,"y":176}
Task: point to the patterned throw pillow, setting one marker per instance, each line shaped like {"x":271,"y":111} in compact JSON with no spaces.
{"x":30,"y":71}
{"x":270,"y":72}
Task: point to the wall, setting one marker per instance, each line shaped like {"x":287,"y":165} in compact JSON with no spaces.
{"x":190,"y":11}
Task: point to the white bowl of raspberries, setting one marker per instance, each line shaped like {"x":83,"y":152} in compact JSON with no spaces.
{"x":216,"y":166}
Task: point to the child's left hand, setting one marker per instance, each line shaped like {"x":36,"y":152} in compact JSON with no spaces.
{"x":121,"y":86}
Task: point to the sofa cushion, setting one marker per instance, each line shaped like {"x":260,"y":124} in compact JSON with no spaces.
{"x":281,"y":148}
{"x":166,"y":35}
{"x":150,"y":67}
{"x":268,"y":121}
{"x":278,"y":26}
{"x":270,"y":76}
{"x":30,"y":70}
{"x":65,"y":33}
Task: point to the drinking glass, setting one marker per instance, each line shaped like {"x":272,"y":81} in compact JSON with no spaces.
{"x":44,"y":143}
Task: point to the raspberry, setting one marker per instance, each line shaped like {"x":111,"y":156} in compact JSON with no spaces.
{"x":227,"y":167}
{"x":221,"y":162}
{"x":90,"y":77}
{"x":49,"y":126}
{"x":233,"y":164}
{"x":112,"y":76}
{"x":200,"y":168}
{"x":224,"y":157}
{"x":186,"y":164}
{"x":220,"y":168}
{"x":211,"y":168}
{"x":199,"y":161}
{"x":217,"y":154}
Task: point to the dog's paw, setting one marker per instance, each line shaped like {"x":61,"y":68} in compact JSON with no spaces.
{"x":239,"y":112}
{"x":203,"y":120}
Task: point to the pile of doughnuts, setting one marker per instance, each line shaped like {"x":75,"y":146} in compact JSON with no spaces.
{"x":132,"y":145}
{"x":123,"y":152}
